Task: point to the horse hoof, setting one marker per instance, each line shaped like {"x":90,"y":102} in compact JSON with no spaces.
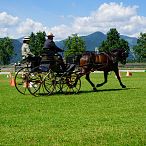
{"x":123,"y":86}
{"x":94,"y":89}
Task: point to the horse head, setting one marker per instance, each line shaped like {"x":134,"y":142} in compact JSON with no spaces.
{"x":120,"y":55}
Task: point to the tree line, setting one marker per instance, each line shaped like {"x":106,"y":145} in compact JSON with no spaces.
{"x":6,"y":50}
{"x":75,"y":45}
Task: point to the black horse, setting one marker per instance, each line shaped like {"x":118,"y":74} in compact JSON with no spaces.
{"x":106,"y":62}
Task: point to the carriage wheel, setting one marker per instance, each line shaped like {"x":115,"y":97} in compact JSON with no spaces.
{"x":50,"y":82}
{"x":21,"y":80}
{"x":58,"y":86}
{"x":34,"y":82}
{"x":70,"y":84}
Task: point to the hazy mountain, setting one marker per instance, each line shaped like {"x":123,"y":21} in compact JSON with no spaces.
{"x":95,"y":39}
{"x":92,"y":41}
{"x":132,"y":41}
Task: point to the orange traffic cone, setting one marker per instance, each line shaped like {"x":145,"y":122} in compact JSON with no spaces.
{"x":129,"y":74}
{"x":12,"y":82}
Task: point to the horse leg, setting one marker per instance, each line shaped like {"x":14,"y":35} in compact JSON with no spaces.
{"x":105,"y":79}
{"x":88,"y":79}
{"x":119,"y":79}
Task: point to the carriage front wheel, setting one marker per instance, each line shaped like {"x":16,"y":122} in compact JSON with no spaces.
{"x":70,"y":83}
{"x":40,"y":81}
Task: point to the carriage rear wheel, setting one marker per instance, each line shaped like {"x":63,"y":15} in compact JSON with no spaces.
{"x":21,"y":80}
{"x":70,"y":84}
{"x":34,"y":82}
{"x":38,"y":80}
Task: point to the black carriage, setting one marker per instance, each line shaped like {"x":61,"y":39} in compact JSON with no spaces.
{"x":47,"y":77}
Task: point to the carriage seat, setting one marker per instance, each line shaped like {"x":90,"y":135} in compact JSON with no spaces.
{"x":46,"y":59}
{"x":34,"y":61}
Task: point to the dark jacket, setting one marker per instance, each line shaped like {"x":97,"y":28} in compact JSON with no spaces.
{"x":49,"y":45}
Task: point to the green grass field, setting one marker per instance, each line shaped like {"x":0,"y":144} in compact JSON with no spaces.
{"x":111,"y":116}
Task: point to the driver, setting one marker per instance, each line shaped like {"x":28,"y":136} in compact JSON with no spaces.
{"x":51,"y":49}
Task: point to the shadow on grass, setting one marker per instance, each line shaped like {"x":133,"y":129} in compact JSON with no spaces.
{"x":83,"y":92}
{"x":108,"y":90}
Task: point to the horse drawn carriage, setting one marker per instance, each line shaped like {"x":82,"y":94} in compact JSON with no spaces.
{"x":44,"y":76}
{"x":47,"y":78}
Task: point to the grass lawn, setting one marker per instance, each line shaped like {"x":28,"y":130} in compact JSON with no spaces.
{"x":111,"y":116}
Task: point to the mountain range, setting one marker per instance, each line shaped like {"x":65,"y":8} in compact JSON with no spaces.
{"x":92,"y":41}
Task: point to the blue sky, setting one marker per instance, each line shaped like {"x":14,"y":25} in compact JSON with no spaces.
{"x":65,"y":17}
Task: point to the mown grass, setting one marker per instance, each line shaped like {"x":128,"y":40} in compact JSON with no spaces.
{"x":111,"y":116}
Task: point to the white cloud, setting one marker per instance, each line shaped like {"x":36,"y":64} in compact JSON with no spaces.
{"x":114,"y":12}
{"x":28,"y":26}
{"x":113,"y":15}
{"x":61,"y":31}
{"x":109,"y":15}
{"x":7,"y":20}
{"x":3,"y":31}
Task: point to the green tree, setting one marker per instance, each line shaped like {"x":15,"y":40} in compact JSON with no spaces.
{"x":113,"y":41}
{"x":37,"y":42}
{"x":74,"y":45}
{"x":6,"y":50}
{"x":140,"y":48}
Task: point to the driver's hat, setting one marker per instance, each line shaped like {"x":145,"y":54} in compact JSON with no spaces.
{"x":50,"y":34}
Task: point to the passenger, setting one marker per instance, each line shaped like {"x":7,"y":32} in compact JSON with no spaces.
{"x":25,"y":48}
{"x":27,"y":55}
